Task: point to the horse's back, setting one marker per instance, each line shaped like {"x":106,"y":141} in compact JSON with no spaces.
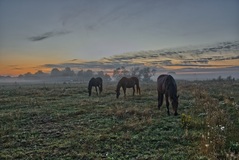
{"x":99,"y":79}
{"x":163,"y":81}
{"x":171,"y":81}
{"x":123,"y":79}
{"x":135,"y":79}
{"x":127,"y":82}
{"x":92,"y":80}
{"x":164,"y":78}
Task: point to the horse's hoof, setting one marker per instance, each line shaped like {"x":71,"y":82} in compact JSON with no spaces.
{"x":175,"y":114}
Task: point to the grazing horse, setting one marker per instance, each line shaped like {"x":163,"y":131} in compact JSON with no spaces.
{"x":167,"y":85}
{"x":96,"y":82}
{"x":127,"y":83}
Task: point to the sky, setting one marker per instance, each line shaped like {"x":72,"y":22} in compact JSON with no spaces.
{"x":34,"y":34}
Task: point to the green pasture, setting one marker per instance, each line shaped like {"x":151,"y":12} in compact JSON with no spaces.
{"x":60,"y":121}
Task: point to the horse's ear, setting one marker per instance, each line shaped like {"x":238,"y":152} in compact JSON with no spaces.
{"x":177,"y":96}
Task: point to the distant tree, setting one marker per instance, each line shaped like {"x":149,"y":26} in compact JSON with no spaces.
{"x":229,"y":78}
{"x":147,"y":73}
{"x":144,"y":73}
{"x":85,"y":75}
{"x":124,"y":72}
{"x":107,"y":78}
{"x":40,"y":74}
{"x":68,"y":72}
{"x":29,"y":75}
{"x":219,"y":78}
{"x":89,"y":74}
{"x":120,"y":72}
{"x":55,"y":72}
{"x":104,"y":76}
{"x":80,"y":73}
{"x":135,"y":72}
{"x":116,"y":74}
{"x":20,"y":76}
{"x":100,"y":74}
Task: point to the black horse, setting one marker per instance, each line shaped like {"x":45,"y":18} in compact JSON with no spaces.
{"x":96,"y":82}
{"x":127,"y":83}
{"x":167,"y":85}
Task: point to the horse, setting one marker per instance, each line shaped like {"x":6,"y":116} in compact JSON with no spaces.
{"x":96,"y":82}
{"x":167,"y":85}
{"x":127,"y":83}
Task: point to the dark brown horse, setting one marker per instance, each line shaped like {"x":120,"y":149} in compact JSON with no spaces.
{"x":95,"y":82}
{"x":127,"y":83}
{"x":167,"y":85}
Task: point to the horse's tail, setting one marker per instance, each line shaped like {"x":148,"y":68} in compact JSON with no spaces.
{"x":138,"y":88}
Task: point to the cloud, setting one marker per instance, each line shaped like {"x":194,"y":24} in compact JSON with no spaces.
{"x":13,"y":65}
{"x":226,"y":69}
{"x":196,"y":60}
{"x":125,"y":11}
{"x":93,"y":65}
{"x":17,"y":68}
{"x":74,"y":60}
{"x":48,"y":35}
{"x":114,"y":14}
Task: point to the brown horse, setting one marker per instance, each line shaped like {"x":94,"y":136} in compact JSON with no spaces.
{"x":127,"y":83}
{"x":96,"y":82}
{"x":167,"y":85}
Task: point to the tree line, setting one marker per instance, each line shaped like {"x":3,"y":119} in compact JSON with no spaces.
{"x":84,"y":75}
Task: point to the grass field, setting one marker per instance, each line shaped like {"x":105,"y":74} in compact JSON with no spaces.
{"x":60,"y":121}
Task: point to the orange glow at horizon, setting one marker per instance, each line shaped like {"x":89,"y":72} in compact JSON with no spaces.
{"x":17,"y":65}
{"x":231,"y":62}
{"x":32,"y":65}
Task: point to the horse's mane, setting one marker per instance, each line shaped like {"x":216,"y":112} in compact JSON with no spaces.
{"x":172,"y":86}
{"x":120,"y":83}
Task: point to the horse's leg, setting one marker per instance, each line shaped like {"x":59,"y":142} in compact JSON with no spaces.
{"x":100,"y":88}
{"x":160,"y":100}
{"x":89,"y":89}
{"x":167,"y":103}
{"x":138,"y":88}
{"x":133,"y":90}
{"x":96,"y":90}
{"x":124,"y":88}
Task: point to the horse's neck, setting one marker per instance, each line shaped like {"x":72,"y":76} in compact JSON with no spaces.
{"x":118,"y":87}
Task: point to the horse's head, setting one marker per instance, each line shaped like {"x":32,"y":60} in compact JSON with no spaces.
{"x":117,"y":93}
{"x":175,"y":105}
